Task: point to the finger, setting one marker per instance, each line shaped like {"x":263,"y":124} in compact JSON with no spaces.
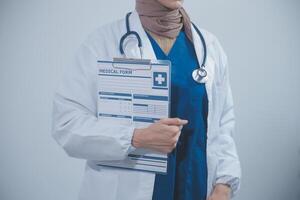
{"x":159,"y":144}
{"x":172,"y":141}
{"x":162,"y":149}
{"x":173,"y":121}
{"x":180,"y":127}
{"x":173,"y":129}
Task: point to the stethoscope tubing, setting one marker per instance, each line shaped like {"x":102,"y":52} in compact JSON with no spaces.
{"x":199,"y":74}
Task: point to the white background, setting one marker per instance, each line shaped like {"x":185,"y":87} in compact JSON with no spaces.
{"x":39,"y":37}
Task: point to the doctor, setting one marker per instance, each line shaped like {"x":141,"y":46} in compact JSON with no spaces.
{"x":202,"y":158}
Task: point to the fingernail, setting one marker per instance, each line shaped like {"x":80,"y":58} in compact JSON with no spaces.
{"x":185,"y":121}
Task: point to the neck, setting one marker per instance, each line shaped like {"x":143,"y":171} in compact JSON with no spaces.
{"x":161,"y":20}
{"x":152,"y":8}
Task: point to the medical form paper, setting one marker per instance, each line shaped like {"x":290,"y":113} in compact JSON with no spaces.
{"x":135,"y":93}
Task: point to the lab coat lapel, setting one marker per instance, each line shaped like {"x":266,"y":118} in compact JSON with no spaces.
{"x":135,"y":25}
{"x":210,"y":64}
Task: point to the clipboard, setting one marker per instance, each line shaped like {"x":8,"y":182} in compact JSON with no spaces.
{"x":135,"y":92}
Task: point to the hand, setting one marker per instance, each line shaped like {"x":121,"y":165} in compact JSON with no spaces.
{"x":162,"y":136}
{"x":220,"y":192}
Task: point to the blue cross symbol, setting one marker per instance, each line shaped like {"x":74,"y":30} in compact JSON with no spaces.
{"x":160,"y":79}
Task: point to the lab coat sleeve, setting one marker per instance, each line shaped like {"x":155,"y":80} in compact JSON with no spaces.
{"x":228,"y":168}
{"x":75,"y":126}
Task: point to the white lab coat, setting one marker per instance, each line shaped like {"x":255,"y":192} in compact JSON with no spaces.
{"x":76,"y":129}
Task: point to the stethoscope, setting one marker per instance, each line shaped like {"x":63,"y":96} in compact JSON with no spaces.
{"x":199,"y":74}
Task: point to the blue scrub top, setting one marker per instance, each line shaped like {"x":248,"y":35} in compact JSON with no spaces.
{"x":187,"y":168}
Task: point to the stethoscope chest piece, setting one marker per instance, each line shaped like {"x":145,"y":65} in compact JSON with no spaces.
{"x":200,"y":75}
